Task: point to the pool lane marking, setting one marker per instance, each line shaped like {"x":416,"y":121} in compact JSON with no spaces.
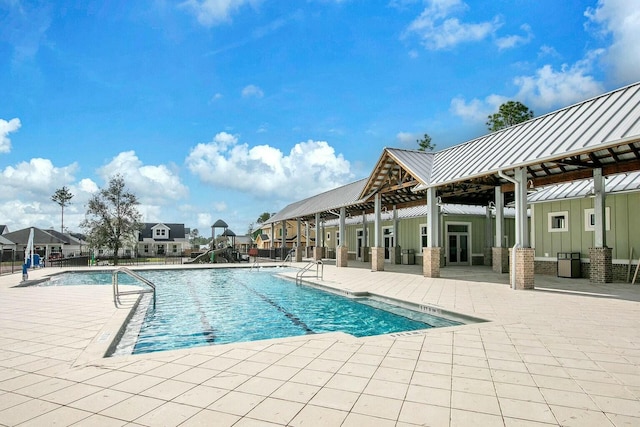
{"x":207,"y":331}
{"x":294,"y":319}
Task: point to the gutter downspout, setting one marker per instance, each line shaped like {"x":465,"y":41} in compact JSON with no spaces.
{"x":512,"y":271}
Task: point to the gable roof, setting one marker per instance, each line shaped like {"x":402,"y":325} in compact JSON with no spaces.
{"x":561,"y":146}
{"x":177,"y":231}
{"x":40,"y":237}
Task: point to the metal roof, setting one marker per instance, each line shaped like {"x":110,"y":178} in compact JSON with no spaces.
{"x":621,"y":183}
{"x":324,"y":203}
{"x":565,"y":145}
{"x":602,"y":132}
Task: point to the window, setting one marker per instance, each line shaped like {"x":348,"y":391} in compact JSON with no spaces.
{"x":423,"y":235}
{"x":590,"y":219}
{"x":338,"y":238}
{"x":328,"y":236}
{"x":558,"y":221}
{"x":146,"y":249}
{"x":161,"y":232}
{"x":175,"y":249}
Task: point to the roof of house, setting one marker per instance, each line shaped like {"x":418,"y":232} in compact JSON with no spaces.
{"x":40,"y":237}
{"x":5,"y":241}
{"x":177,"y":231}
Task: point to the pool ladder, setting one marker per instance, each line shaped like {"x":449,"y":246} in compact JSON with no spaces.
{"x":319,"y":271}
{"x":116,"y":289}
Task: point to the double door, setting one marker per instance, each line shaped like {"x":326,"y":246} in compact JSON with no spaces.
{"x":458,"y":244}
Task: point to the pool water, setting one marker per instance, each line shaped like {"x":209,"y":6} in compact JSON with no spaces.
{"x":220,"y":306}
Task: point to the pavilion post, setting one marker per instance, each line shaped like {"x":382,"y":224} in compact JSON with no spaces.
{"x":377,"y":251}
{"x":600,"y":256}
{"x":431,"y":253}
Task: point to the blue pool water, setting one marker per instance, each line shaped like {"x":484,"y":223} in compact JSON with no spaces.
{"x":219,"y":306}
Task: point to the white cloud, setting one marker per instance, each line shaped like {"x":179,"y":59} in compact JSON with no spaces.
{"x":549,"y":88}
{"x":438,"y":30}
{"x":25,"y":195}
{"x":406,"y":138}
{"x":6,"y":127}
{"x":34,"y":179}
{"x":204,"y":222}
{"x":266,"y":172}
{"x":515,"y":40}
{"x":214,"y":12}
{"x":252,"y":91}
{"x":619,"y":19}
{"x":151,"y":184}
{"x":476,"y":110}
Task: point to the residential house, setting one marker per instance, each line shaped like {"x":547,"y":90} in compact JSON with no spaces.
{"x":163,"y":239}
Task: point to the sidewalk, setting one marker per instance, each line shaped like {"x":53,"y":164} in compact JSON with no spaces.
{"x":567,"y":353}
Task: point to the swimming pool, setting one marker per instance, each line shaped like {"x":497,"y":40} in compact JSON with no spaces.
{"x":220,"y":306}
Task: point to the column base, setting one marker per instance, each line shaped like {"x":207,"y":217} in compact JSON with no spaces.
{"x":317,"y":253}
{"x":365,"y":254}
{"x":431,"y":262}
{"x":342,"y":256}
{"x":601,"y":265}
{"x":524,"y":267}
{"x":500,"y":260}
{"x":299,"y":253}
{"x":377,"y":259}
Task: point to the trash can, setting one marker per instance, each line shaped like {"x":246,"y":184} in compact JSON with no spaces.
{"x":569,"y":264}
{"x":408,"y":256}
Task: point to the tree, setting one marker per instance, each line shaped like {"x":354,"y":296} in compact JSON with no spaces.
{"x":263,"y":217}
{"x":112,"y":217}
{"x":510,"y":113}
{"x":62,"y":197}
{"x":425,"y":144}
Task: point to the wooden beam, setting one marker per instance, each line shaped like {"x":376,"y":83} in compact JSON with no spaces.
{"x":612,"y":169}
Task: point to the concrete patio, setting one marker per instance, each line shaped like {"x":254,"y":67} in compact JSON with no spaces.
{"x":567,"y":353}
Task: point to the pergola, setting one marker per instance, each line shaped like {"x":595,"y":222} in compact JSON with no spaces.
{"x":591,"y":139}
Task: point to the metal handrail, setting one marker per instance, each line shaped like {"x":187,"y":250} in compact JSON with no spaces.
{"x":116,"y":289}
{"x":319,"y":271}
{"x":289,"y":257}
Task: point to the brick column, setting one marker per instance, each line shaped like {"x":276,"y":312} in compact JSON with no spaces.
{"x":342,"y":256}
{"x":601,"y":265}
{"x":317,"y":252}
{"x":524,"y":266}
{"x":500,"y":260}
{"x":431,"y":262}
{"x":488,"y":256}
{"x":377,"y":259}
{"x":299,"y":253}
{"x":396,"y":255}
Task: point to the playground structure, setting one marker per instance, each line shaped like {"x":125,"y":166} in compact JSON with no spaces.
{"x":211,"y":256}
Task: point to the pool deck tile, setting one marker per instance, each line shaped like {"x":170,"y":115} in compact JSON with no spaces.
{"x":566,"y":353}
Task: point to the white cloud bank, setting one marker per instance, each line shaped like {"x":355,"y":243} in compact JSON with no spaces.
{"x":7,"y":127}
{"x":215,"y":12}
{"x":438,"y":29}
{"x":153,"y":184}
{"x":619,"y":19}
{"x":266,"y":172}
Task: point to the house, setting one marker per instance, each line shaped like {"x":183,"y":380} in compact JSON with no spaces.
{"x":3,"y":229}
{"x":160,"y":239}
{"x":271,"y":235}
{"x":47,"y":243}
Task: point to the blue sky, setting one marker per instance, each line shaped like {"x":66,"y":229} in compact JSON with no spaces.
{"x":224,"y":109}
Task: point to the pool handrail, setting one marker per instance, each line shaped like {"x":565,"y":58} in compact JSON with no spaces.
{"x":116,"y":289}
{"x":319,"y":270}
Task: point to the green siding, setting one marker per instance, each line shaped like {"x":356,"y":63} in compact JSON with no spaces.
{"x":624,"y":213}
